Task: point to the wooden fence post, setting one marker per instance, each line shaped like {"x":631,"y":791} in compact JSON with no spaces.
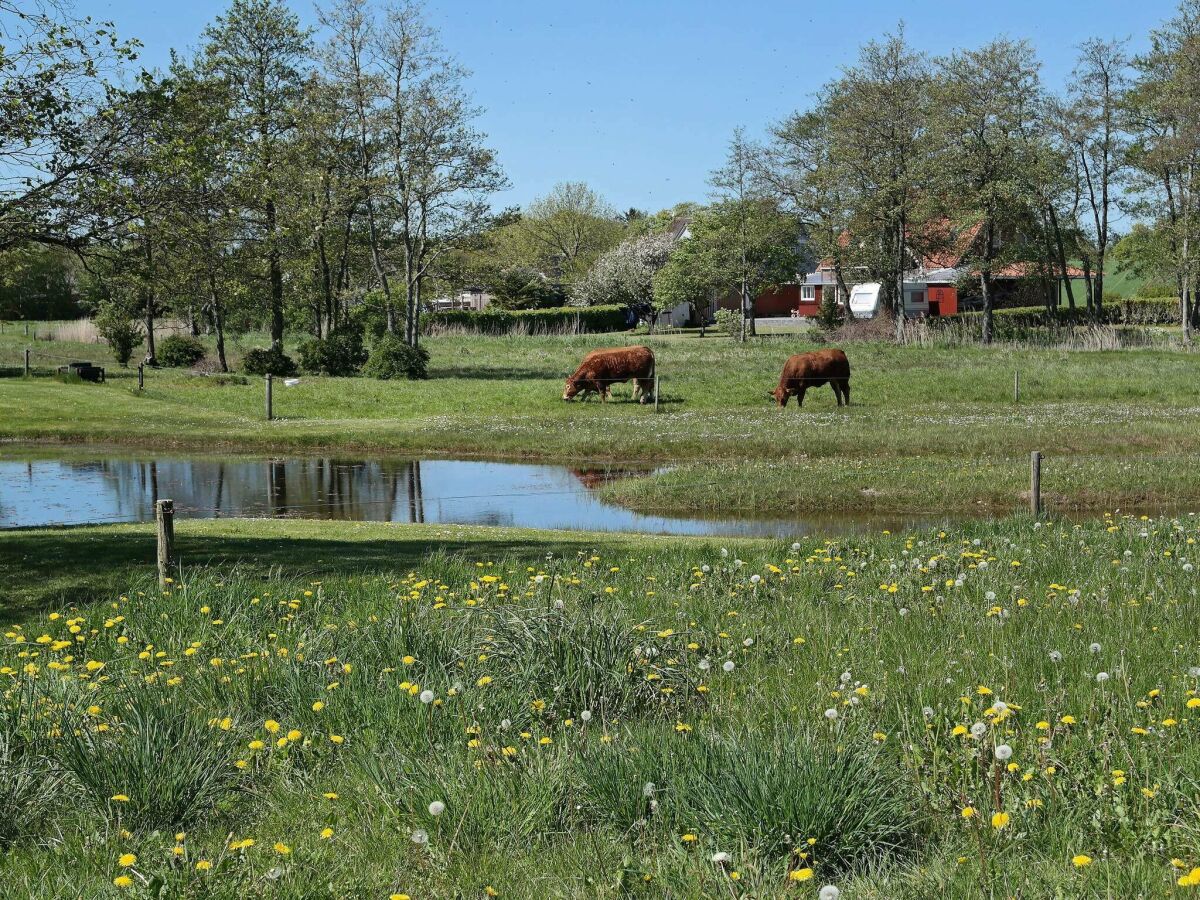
{"x":1035,"y":483}
{"x":270,"y":413}
{"x":1017,"y":386}
{"x":26,"y":362}
{"x":141,"y":376}
{"x":164,"y":516}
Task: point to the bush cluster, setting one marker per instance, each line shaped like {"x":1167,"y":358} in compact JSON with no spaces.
{"x":1139,"y":311}
{"x":392,"y":358}
{"x":270,"y":361}
{"x":179,"y":351}
{"x":122,"y":333}
{"x":581,"y":320}
{"x":341,"y":352}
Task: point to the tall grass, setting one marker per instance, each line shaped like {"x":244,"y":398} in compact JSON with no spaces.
{"x":158,"y":765}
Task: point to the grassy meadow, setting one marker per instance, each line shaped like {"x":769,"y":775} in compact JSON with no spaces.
{"x":1006,"y":709}
{"x":930,"y":429}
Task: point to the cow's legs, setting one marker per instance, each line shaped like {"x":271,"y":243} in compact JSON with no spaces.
{"x":846,"y":390}
{"x":645,"y":389}
{"x":837,"y":390}
{"x":800,"y":396}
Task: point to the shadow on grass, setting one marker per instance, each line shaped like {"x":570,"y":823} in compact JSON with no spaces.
{"x":43,"y":569}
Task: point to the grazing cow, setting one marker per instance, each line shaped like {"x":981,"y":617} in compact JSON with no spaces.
{"x":808,"y":370}
{"x":601,"y":369}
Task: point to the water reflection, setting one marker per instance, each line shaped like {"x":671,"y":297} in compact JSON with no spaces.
{"x":70,"y":491}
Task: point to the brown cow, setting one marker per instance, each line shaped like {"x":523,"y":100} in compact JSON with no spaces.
{"x":807,"y":370}
{"x":601,"y":369}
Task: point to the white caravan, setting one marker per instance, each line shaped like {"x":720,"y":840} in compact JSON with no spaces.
{"x":864,"y":300}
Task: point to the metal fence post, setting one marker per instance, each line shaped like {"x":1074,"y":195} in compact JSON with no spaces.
{"x":270,"y":412}
{"x":656,"y":391}
{"x":26,"y":362}
{"x":141,"y":376}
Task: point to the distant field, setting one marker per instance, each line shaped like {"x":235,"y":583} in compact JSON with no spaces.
{"x":930,"y":429}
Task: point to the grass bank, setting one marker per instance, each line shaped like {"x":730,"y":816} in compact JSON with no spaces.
{"x":938,"y":428}
{"x":318,"y":709}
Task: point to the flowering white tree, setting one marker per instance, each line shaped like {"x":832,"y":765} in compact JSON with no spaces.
{"x":625,"y":274}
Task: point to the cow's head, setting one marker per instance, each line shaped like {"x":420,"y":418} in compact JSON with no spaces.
{"x":779,"y":395}
{"x":572,"y":388}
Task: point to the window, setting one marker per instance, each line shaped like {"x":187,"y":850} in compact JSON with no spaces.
{"x":808,"y":293}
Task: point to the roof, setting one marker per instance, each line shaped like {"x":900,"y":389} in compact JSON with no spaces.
{"x":950,"y":248}
{"x":679,"y":227}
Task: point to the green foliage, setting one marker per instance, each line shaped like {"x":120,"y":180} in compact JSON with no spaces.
{"x":122,"y":333}
{"x":39,"y":283}
{"x":521,"y":287}
{"x":728,"y":321}
{"x":269,"y":361}
{"x":576,"y":320}
{"x":731,"y":241}
{"x":341,"y":352}
{"x":1150,"y":290}
{"x":1115,"y":311}
{"x":832,"y":314}
{"x":179,"y":351}
{"x":391,"y":358}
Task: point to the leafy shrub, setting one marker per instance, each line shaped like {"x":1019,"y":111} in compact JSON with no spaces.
{"x":179,"y":351}
{"x":575,"y":320}
{"x":392,"y":358}
{"x":1140,"y":311}
{"x":1153,"y":290}
{"x":271,"y":361}
{"x":728,"y":321}
{"x":520,"y":287}
{"x":341,"y":352}
{"x":121,"y":332}
{"x":831,"y":314}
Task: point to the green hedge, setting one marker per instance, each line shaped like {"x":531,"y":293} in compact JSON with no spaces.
{"x":1139,"y":311}
{"x":565,"y":318}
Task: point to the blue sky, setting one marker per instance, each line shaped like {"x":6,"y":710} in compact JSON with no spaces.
{"x":640,"y":98}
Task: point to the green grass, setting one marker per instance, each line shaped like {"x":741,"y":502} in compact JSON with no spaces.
{"x":295,"y":633}
{"x":929,"y":429}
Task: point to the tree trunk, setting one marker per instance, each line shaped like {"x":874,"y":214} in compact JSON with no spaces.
{"x":1062,"y":258}
{"x":985,"y":282}
{"x":1089,"y":284}
{"x":151,"y":355}
{"x":218,"y":319}
{"x":275,"y":266}
{"x":899,"y":323}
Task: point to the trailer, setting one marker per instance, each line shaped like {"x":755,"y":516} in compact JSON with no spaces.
{"x":921,"y":299}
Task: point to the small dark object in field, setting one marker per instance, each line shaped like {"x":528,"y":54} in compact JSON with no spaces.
{"x":85,"y":371}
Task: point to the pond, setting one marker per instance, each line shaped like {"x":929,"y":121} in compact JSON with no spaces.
{"x":69,"y":490}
